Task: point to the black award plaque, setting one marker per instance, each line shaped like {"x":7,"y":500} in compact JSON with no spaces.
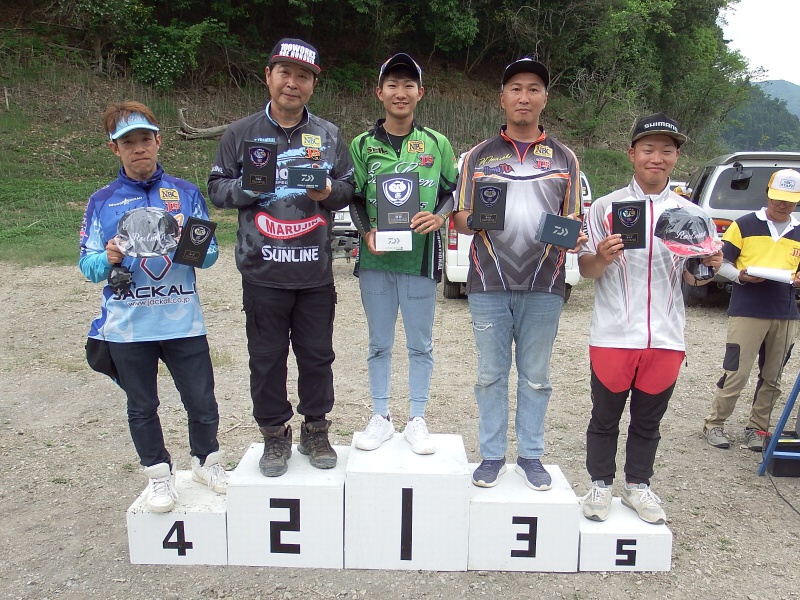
{"x":398,"y":200}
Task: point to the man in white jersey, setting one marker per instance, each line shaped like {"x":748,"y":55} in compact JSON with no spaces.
{"x":636,"y":335}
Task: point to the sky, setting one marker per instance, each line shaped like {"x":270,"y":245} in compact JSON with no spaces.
{"x":766,"y":33}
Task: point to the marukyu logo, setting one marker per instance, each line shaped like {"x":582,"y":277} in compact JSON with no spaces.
{"x":260,"y":156}
{"x":629,"y":215}
{"x":285,"y":230}
{"x":397,"y":190}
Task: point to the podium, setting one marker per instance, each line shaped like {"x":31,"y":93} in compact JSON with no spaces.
{"x":391,"y":509}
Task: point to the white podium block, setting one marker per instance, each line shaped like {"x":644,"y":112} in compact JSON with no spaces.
{"x":515,"y":528}
{"x":295,"y":520}
{"x":406,"y":511}
{"x":193,"y":533}
{"x":624,"y":542}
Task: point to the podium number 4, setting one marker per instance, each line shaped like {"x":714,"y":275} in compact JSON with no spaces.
{"x":180,"y":544}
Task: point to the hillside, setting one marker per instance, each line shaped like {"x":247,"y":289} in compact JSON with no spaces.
{"x":783,"y":90}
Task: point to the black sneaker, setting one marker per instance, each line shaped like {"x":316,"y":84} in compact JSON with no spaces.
{"x":314,"y":443}
{"x":277,"y":450}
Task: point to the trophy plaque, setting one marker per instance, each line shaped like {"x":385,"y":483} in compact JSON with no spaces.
{"x":308,"y":178}
{"x":489,"y":204}
{"x":558,"y":231}
{"x":629,"y":219}
{"x":258,"y":166}
{"x":195,"y":239}
{"x":398,"y":200}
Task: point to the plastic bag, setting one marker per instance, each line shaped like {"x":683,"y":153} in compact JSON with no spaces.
{"x":147,"y":231}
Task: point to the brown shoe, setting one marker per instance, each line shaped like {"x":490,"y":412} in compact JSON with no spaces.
{"x":314,"y":443}
{"x":277,"y":450}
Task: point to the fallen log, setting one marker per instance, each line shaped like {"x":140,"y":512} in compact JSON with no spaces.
{"x":188,"y":132}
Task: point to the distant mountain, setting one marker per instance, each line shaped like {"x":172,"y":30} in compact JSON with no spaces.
{"x":783,"y":90}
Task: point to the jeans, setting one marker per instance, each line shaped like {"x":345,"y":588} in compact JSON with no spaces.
{"x":274,"y":317}
{"x":530,"y":320}
{"x":189,"y":364}
{"x":382,"y":292}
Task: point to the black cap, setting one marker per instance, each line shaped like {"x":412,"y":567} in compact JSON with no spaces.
{"x":401,"y":58}
{"x":657,"y":124}
{"x":298,"y":52}
{"x":527,"y":65}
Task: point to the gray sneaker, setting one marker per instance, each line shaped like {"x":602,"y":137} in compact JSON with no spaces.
{"x":716,"y":437}
{"x":488,"y":472}
{"x":646,"y":504}
{"x":754,"y":439}
{"x":597,"y":503}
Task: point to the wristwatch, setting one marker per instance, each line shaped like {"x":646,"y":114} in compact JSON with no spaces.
{"x":469,"y":224}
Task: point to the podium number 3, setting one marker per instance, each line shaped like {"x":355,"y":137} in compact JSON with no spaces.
{"x":180,"y":544}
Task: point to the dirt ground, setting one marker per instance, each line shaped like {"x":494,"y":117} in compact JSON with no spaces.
{"x":70,"y":471}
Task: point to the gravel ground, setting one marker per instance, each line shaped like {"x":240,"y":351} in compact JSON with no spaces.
{"x":70,"y":470}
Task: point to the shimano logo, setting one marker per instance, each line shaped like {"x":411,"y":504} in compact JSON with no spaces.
{"x":669,"y":126}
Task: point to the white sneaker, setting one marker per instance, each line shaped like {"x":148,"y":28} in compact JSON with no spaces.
{"x":646,"y":504}
{"x":597,"y":503}
{"x":161,"y":493}
{"x":379,"y":429}
{"x":211,"y":473}
{"x":416,"y":434}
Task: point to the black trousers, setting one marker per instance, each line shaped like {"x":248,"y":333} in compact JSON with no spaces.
{"x":602,"y":434}
{"x":276,"y":317}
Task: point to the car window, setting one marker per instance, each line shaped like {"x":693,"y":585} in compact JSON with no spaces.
{"x":743,"y":195}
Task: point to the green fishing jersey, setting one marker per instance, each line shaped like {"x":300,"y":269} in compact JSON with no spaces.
{"x":426,"y":152}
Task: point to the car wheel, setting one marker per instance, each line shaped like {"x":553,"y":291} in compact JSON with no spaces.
{"x":450,"y":290}
{"x":567,"y":292}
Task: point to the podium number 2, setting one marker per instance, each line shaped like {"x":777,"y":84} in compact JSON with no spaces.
{"x":276,"y":546}
{"x":180,"y":544}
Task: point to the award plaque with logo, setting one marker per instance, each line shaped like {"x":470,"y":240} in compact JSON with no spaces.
{"x":558,"y":231}
{"x":258,"y":166}
{"x":629,"y":220}
{"x":308,"y":178}
{"x":398,"y":200}
{"x":489,"y":205}
{"x":195,"y":239}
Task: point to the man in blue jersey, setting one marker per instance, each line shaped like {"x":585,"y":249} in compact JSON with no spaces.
{"x":158,"y":316}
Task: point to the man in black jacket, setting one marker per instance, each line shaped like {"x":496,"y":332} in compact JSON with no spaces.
{"x":283,"y":251}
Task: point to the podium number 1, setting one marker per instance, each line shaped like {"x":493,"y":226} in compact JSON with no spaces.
{"x":406,"y":519}
{"x":180,"y":544}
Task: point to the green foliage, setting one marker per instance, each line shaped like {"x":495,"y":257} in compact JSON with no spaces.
{"x":763,"y":123}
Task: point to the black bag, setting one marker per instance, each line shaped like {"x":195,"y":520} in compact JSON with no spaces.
{"x":98,"y":355}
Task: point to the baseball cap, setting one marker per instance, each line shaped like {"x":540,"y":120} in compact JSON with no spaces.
{"x":298,"y":52}
{"x":401,"y":58}
{"x":146,"y":232}
{"x":686,"y":232}
{"x":784,"y":185}
{"x":527,"y":65}
{"x":131,"y":122}
{"x":657,"y":124}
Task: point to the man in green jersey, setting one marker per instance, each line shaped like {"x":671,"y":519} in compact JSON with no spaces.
{"x":404,"y":279}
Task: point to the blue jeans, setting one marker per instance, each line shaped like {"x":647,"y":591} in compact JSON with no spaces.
{"x":530,"y":319}
{"x":189,"y":364}
{"x":382,"y":292}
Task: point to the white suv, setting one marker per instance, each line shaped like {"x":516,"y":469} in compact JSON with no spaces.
{"x":456,"y":256}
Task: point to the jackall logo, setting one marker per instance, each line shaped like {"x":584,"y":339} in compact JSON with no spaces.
{"x":546,"y":151}
{"x":397,"y":190}
{"x":284,"y":230}
{"x":168,"y":194}
{"x":499,"y":169}
{"x":629,"y":215}
{"x":415,"y":146}
{"x":544,"y":164}
{"x":312,"y":141}
{"x":313,"y":154}
{"x":426,"y":160}
{"x":171,"y":206}
{"x":157,"y":291}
